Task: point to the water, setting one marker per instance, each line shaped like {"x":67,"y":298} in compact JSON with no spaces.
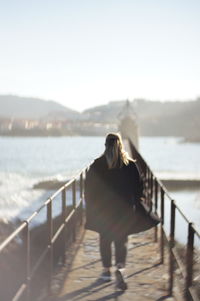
{"x":26,"y":161}
{"x":170,"y":158}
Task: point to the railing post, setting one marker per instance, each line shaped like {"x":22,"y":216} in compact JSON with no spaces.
{"x":152,"y":187}
{"x":171,"y":246}
{"x":147,"y":186}
{"x":50,"y":246}
{"x":81,"y":185}
{"x":74,"y":207}
{"x":189,"y":260}
{"x":74,"y":194}
{"x":156,"y":207}
{"x":161,"y":227}
{"x":27,"y":256}
{"x":81,"y":197}
{"x":63,"y":221}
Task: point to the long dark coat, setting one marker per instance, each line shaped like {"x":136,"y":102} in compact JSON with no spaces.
{"x":110,"y":195}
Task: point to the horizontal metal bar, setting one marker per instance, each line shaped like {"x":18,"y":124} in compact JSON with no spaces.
{"x":177,"y":207}
{"x":193,"y":293}
{"x":38,"y":263}
{"x":69,"y":216}
{"x":56,"y":235}
{"x":61,"y":228}
{"x":185,"y":265}
{"x":196,"y":231}
{"x":79,"y":202}
{"x":20,"y":291}
{"x":47,"y":201}
{"x":182,"y":214}
{"x":179,"y":262}
{"x":67,"y":219}
{"x":70,"y":182}
{"x":12,"y":236}
{"x":57,"y":192}
{"x":30,"y":218}
{"x":164,"y":189}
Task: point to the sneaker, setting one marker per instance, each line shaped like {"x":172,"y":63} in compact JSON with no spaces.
{"x":120,"y":283}
{"x":106,"y":276}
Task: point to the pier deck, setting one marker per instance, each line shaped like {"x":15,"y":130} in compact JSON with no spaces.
{"x":146,"y":278}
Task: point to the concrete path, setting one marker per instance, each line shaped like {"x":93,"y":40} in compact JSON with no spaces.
{"x":146,"y":278}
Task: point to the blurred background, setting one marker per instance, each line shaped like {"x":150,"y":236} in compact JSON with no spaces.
{"x":67,"y":69}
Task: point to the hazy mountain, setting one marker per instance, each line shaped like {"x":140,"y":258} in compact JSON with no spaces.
{"x":105,"y":113}
{"x":156,"y":118}
{"x":35,"y":108}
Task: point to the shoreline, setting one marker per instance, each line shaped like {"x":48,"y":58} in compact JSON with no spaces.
{"x":58,"y":134}
{"x":171,"y":184}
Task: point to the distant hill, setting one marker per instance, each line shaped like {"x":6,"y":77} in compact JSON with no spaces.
{"x":105,"y":113}
{"x":34,"y":108}
{"x":156,"y":118}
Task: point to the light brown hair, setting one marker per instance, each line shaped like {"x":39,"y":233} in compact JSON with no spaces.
{"x":115,"y":154}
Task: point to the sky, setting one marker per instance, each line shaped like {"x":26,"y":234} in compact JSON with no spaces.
{"x":84,"y":53}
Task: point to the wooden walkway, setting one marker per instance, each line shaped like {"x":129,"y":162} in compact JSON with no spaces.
{"x":146,"y":278}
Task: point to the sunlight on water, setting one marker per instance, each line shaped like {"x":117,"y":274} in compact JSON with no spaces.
{"x":27,"y":161}
{"x":171,"y":157}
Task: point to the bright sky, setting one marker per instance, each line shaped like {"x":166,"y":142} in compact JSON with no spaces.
{"x":84,"y":53}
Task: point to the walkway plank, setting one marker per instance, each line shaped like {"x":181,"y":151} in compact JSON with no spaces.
{"x":146,"y":278}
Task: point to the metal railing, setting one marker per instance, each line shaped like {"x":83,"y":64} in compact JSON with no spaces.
{"x":58,"y":233}
{"x":181,"y":256}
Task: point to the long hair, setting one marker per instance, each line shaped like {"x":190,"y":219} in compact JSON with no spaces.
{"x":115,"y":154}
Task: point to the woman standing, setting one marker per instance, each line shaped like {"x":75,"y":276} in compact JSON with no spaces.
{"x":112,"y":187}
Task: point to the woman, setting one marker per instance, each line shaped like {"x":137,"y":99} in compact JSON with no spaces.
{"x":112,"y":187}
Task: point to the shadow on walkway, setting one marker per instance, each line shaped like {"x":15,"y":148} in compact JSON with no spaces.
{"x":146,"y":277}
{"x":85,"y":265}
{"x":139,"y":245}
{"x":90,"y":290}
{"x":164,"y":298}
{"x":98,"y":285}
{"x":144,"y":270}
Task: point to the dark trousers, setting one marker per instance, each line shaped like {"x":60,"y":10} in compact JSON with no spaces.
{"x":106,"y":251}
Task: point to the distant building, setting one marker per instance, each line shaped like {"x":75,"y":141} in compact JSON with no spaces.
{"x":5,"y":124}
{"x":128,"y":125}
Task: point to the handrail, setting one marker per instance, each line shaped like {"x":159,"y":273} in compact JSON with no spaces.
{"x":156,"y":194}
{"x":186,"y":264}
{"x":68,"y":221}
{"x":4,"y":244}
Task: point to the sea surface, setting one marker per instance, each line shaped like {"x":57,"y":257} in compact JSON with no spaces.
{"x":27,"y":161}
